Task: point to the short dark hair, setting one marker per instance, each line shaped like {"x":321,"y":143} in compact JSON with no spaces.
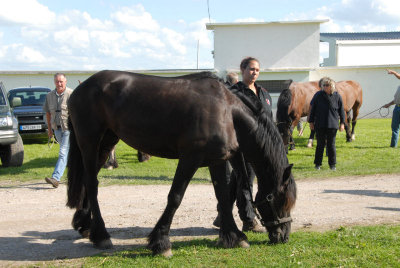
{"x":246,"y":61}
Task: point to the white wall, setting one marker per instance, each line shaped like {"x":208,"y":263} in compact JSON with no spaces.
{"x":350,"y":53}
{"x":276,"y":44}
{"x":15,"y":79}
{"x":378,"y":87}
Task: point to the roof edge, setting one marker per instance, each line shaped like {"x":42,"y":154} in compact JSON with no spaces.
{"x":212,"y":26}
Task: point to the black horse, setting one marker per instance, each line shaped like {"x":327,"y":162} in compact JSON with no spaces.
{"x":193,"y":118}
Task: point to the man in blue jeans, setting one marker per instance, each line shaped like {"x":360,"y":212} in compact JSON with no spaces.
{"x":56,"y":110}
{"x":396,"y":112}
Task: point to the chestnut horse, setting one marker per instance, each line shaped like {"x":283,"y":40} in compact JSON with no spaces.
{"x":294,"y":103}
{"x":193,"y":118}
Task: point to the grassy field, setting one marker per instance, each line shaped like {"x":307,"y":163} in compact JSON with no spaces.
{"x":368,"y":154}
{"x":373,"y":246}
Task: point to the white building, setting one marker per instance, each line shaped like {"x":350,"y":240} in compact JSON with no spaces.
{"x":360,"y":49}
{"x":287,"y":51}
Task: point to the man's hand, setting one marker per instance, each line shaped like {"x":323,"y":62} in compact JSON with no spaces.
{"x":341,"y":128}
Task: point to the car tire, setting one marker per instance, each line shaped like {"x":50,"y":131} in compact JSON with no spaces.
{"x":13,"y":155}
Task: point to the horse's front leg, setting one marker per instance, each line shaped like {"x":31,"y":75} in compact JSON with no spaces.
{"x":225,"y":190}
{"x":347,"y":127}
{"x":158,"y":239}
{"x":82,"y":219}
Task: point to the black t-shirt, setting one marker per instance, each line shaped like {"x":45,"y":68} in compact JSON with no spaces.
{"x":263,"y":95}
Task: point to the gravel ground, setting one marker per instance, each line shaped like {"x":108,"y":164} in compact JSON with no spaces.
{"x":35,"y":223}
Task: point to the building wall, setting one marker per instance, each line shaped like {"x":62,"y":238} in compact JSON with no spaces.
{"x":352,"y":53}
{"x":378,"y":87}
{"x":275,"y":45}
{"x":15,"y":79}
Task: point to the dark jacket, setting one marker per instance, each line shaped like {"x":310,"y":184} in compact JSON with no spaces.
{"x":326,"y":110}
{"x":263,"y":95}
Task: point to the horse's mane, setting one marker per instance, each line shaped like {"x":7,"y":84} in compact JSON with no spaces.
{"x":270,"y":141}
{"x":267,"y":134}
{"x":200,"y":75}
{"x":284,"y":100}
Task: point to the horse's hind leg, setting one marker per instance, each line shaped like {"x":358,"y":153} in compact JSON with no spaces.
{"x":82,"y":219}
{"x":347,"y":127}
{"x":356,"y":110}
{"x":158,"y":239}
{"x":229,"y":235}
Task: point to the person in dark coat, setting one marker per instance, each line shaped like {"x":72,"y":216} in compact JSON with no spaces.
{"x":250,"y":70}
{"x":326,"y":111}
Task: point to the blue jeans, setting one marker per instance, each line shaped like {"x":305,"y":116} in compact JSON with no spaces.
{"x":63,"y":139}
{"x":395,"y":126}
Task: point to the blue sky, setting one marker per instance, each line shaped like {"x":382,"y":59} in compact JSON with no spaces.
{"x":156,"y":34}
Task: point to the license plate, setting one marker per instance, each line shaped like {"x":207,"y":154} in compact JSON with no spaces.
{"x":30,"y":127}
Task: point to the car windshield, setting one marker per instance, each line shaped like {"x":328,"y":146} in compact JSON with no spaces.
{"x":29,"y":98}
{"x":2,"y":99}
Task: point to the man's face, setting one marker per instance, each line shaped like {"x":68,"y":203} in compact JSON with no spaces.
{"x":61,"y":82}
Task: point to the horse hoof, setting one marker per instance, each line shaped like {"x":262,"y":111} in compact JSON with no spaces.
{"x":85,"y":234}
{"x":105,"y":244}
{"x":167,"y":253}
{"x":353,"y":137}
{"x":243,"y":244}
{"x":110,"y":168}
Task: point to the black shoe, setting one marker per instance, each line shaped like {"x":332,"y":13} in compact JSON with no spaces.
{"x":317,"y":167}
{"x":217,"y":221}
{"x":52,"y":181}
{"x":253,"y":226}
{"x":333,"y":168}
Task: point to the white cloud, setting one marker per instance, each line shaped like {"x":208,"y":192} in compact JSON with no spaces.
{"x":175,"y":39}
{"x":26,"y":12}
{"x":30,"y":55}
{"x":73,"y":36}
{"x":144,"y":38}
{"x":136,"y":18}
{"x":249,"y":20}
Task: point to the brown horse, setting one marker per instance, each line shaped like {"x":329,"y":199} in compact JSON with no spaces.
{"x":294,"y":103}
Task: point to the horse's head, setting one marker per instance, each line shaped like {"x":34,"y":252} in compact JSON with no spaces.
{"x":285,"y":130}
{"x":275,"y":207}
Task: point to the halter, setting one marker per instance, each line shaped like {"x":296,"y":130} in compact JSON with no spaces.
{"x":269,"y":199}
{"x":276,"y":221}
{"x":289,"y":123}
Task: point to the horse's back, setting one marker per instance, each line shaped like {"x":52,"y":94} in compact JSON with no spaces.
{"x":159,"y":115}
{"x":351,"y":93}
{"x":302,"y":94}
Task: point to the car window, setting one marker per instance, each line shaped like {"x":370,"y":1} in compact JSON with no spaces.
{"x":30,"y":98}
{"x":2,"y":99}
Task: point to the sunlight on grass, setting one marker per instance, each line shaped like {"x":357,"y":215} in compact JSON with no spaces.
{"x":368,"y":154}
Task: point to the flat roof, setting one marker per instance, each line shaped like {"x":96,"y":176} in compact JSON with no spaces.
{"x":212,"y":26}
{"x":360,"y":36}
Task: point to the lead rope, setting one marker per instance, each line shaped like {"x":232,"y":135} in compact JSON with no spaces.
{"x":253,"y":204}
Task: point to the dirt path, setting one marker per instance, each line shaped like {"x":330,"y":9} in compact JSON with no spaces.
{"x":35,"y":223}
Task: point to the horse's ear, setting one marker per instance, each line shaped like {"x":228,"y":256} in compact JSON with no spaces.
{"x":286,"y":174}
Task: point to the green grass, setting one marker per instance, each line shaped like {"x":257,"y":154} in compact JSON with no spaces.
{"x":368,"y":154}
{"x":372,"y":246}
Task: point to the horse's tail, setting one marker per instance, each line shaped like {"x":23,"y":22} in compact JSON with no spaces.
{"x":75,"y":192}
{"x":284,"y":100}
